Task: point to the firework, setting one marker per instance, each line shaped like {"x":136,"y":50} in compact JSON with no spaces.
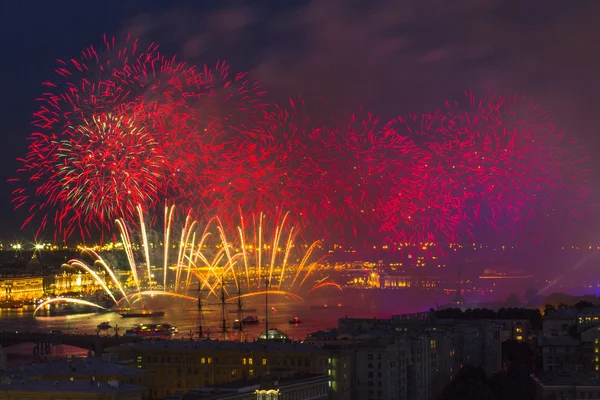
{"x":236,"y":261}
{"x":505,"y":163}
{"x":230,"y":101}
{"x":362,"y":164}
{"x":271,"y":166}
{"x":108,"y":135}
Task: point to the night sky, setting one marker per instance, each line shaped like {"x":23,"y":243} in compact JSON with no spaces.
{"x":392,"y":57}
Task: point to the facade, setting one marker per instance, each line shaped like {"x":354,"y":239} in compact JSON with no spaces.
{"x":559,"y":322}
{"x":555,"y":386}
{"x":406,"y":357}
{"x":85,"y":370}
{"x":560,"y":353}
{"x":21,"y":288}
{"x":405,"y":281}
{"x":298,"y":387}
{"x":19,"y":389}
{"x":178,"y":366}
{"x":570,"y":341}
{"x":78,"y":282}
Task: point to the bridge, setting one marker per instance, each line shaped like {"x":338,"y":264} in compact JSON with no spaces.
{"x":44,"y":341}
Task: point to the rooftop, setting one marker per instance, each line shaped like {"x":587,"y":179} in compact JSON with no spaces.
{"x":558,"y":341}
{"x":215,"y":345}
{"x":88,"y":366}
{"x":248,"y":386}
{"x":66,"y":385}
{"x":553,"y":379}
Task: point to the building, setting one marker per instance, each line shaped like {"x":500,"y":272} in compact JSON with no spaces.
{"x":21,"y":389}
{"x":558,"y":322}
{"x":3,"y":360}
{"x":75,"y":282}
{"x":85,"y":369}
{"x":21,"y":288}
{"x":405,"y":357}
{"x":178,"y":366}
{"x":298,"y":387}
{"x":393,"y":281}
{"x":563,"y":386}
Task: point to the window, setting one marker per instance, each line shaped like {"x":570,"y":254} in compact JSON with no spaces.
{"x":250,"y":360}
{"x":209,"y":360}
{"x":243,"y":361}
{"x":519,"y":338}
{"x":264,"y":361}
{"x":203,"y":360}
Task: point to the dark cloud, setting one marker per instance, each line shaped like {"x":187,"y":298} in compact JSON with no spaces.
{"x":396,"y":56}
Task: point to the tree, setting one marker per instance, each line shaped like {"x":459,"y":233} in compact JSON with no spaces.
{"x":470,"y":384}
{"x":583,"y":304}
{"x":517,"y":356}
{"x":549,"y":308}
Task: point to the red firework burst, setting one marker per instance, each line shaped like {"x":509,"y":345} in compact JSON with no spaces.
{"x":230,"y":101}
{"x":126,"y":109}
{"x":506,"y":160}
{"x":362,"y":163}
{"x":270,"y":165}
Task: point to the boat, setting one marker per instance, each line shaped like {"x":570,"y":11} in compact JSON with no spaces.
{"x":150,"y":331}
{"x":11,"y":305}
{"x":104,"y":325}
{"x":295,"y":321}
{"x":142,"y":314}
{"x":252,"y":320}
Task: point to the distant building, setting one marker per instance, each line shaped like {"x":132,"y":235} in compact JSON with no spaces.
{"x":21,"y":288}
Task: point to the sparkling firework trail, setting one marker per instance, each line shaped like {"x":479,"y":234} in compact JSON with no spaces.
{"x":192,"y":258}
{"x":109,"y":134}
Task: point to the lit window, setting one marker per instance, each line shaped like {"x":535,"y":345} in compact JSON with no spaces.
{"x":596,"y":341}
{"x":519,"y":330}
{"x":595,"y":349}
{"x":597,"y":367}
{"x":203,"y":360}
{"x":244,"y":361}
{"x":250,"y":361}
{"x":251,"y":372}
{"x":233,"y":372}
{"x":265,"y":360}
{"x":209,"y":360}
{"x":519,"y":337}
